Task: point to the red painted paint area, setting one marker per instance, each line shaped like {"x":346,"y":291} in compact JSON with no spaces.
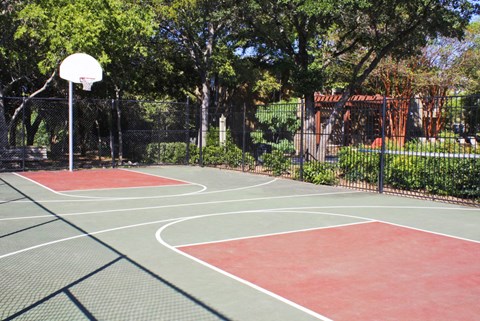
{"x":62,"y":181}
{"x":371,"y":271}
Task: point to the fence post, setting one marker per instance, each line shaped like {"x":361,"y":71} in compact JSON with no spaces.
{"x":112,"y":137}
{"x":382,"y":148}
{"x":302,"y":129}
{"x":187,"y":131}
{"x":200,"y":138}
{"x":244,"y":136}
{"x":24,"y":151}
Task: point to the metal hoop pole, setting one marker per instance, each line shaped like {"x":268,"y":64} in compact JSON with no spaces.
{"x":70,"y":126}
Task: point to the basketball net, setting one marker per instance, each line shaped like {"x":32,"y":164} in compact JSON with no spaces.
{"x":86,"y":83}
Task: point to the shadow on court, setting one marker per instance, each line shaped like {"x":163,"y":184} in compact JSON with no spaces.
{"x":207,"y":244}
{"x":82,"y":278}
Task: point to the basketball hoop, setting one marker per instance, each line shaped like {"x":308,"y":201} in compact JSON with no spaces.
{"x":87,"y":83}
{"x":78,"y":68}
{"x":81,"y":68}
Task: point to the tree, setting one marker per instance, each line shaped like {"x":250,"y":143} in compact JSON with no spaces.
{"x":375,"y":29}
{"x":295,"y":34}
{"x":469,"y":61}
{"x":115,"y":32}
{"x":429,"y":75}
{"x":201,"y":29}
{"x":19,"y":72}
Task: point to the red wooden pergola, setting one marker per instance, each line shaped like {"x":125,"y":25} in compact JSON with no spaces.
{"x":327,"y":102}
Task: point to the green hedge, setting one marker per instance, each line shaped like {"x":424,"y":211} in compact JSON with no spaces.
{"x":445,"y":176}
{"x":169,"y":153}
{"x":229,"y":155}
{"x":276,"y":162}
{"x":320,"y":173}
{"x":359,"y":166}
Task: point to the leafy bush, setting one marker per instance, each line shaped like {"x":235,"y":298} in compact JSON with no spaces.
{"x":358,"y":165}
{"x":277,"y":162}
{"x":277,"y":124}
{"x":169,"y":153}
{"x":230,"y":154}
{"x":213,"y":155}
{"x":320,"y":173}
{"x":441,"y":174}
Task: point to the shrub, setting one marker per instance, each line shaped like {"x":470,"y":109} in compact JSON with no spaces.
{"x":357,"y":165}
{"x":320,"y":173}
{"x":169,"y":153}
{"x":230,"y":154}
{"x":277,"y":162}
{"x":437,"y":174}
{"x":213,"y":155}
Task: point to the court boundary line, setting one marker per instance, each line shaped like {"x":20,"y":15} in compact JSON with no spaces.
{"x":408,"y":227}
{"x":181,"y":219}
{"x":94,"y":199}
{"x":136,"y":172}
{"x":177,"y":205}
{"x":276,"y":233}
{"x":176,"y":249}
{"x":274,"y":197}
{"x":173,"y":220}
{"x":118,"y":228}
{"x":234,"y":277}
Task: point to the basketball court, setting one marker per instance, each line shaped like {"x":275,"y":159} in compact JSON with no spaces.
{"x":192,"y":243}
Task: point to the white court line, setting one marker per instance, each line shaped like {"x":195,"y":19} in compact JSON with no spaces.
{"x":115,"y":229}
{"x":275,"y":234}
{"x":103,"y":198}
{"x":174,"y":220}
{"x":295,"y":209}
{"x":179,"y":205}
{"x":158,"y":236}
{"x":154,"y":175}
{"x":302,"y":210}
{"x":95,"y":199}
{"x":149,"y":223}
{"x":234,"y":277}
{"x":136,"y":172}
{"x":431,"y":232}
{"x":83,"y":235}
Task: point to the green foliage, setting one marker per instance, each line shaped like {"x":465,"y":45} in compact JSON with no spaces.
{"x":277,"y":124}
{"x":440,"y":174}
{"x":109,"y":30}
{"x":230,"y":154}
{"x":359,"y":166}
{"x":277,"y":162}
{"x":265,"y":85}
{"x":169,"y":153}
{"x":320,"y":173}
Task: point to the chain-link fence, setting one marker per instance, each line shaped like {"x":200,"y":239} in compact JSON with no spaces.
{"x":422,"y":147}
{"x":34,"y":133}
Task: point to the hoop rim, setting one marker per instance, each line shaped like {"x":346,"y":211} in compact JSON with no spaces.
{"x":87,"y":82}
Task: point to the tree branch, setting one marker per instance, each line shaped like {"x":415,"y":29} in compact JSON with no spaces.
{"x":19,"y":109}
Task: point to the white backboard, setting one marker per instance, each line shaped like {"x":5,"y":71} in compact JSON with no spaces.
{"x":80,"y":65}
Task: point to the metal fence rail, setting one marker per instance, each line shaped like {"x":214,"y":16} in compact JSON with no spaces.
{"x":427,"y":147}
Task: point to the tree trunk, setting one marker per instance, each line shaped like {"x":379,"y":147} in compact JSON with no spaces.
{"x":327,"y":127}
{"x":202,"y":138}
{"x":32,"y":128}
{"x":3,"y":123}
{"x":310,"y":130}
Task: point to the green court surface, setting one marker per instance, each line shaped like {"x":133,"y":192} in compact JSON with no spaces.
{"x":214,"y":244}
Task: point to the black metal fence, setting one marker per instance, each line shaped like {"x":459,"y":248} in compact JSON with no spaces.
{"x":426,"y":147}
